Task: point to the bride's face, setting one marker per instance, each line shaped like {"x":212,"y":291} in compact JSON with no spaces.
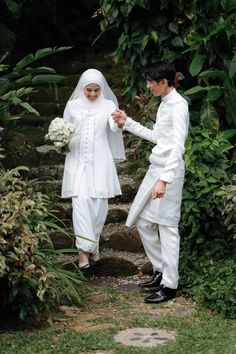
{"x":92,"y":92}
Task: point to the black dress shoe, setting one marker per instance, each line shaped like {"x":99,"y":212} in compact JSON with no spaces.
{"x":153,"y":283}
{"x":162,"y":295}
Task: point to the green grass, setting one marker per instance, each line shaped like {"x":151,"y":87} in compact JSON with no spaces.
{"x":198,"y":332}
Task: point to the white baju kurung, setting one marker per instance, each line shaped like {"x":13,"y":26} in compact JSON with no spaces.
{"x":166,"y":163}
{"x":90,"y":175}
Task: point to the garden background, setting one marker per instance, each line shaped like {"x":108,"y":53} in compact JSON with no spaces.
{"x":44,"y":47}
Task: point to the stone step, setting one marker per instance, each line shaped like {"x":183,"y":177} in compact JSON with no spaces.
{"x":115,"y":236}
{"x":113,"y":264}
{"x":48,"y":155}
{"x":55,"y":171}
{"x":116,"y":212}
{"x":118,"y":263}
{"x":51,"y":185}
{"x":52,"y":95}
{"x":49,"y":108}
{"x":122,"y":257}
{"x":47,"y":171}
{"x":118,"y":237}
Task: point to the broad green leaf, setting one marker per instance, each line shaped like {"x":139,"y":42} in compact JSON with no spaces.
{"x":215,"y":93}
{"x":196,"y":65}
{"x":232,"y":68}
{"x":23,"y":313}
{"x":3,"y":67}
{"x":229,"y":133}
{"x":29,"y":108}
{"x":38,"y":70}
{"x":25,"y":61}
{"x":143,"y":3}
{"x":209,"y":116}
{"x":213,"y":73}
{"x":41,"y":53}
{"x":144,"y":41}
{"x":12,"y":6}
{"x":173,"y":28}
{"x":47,"y":79}
{"x":154,"y":36}
{"x":3,"y":56}
{"x":177,"y":42}
{"x":24,"y":80}
{"x":195,"y":89}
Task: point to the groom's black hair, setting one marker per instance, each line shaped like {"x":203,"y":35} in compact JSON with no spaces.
{"x":160,"y":70}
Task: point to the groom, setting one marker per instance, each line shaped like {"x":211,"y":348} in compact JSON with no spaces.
{"x":156,"y":207}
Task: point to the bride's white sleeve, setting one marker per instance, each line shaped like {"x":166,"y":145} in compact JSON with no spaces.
{"x":66,"y":114}
{"x":113,"y":126}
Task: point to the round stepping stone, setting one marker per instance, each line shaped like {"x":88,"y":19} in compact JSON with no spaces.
{"x":144,"y":337}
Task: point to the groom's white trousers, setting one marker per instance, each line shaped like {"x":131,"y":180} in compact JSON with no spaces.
{"x":161,"y":244}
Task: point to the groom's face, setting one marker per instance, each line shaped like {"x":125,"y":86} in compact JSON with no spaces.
{"x":157,"y":88}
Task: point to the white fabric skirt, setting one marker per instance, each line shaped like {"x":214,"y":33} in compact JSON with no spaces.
{"x":164,"y":211}
{"x":89,"y":215}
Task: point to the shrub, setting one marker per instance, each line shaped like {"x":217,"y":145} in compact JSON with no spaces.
{"x":211,"y":282}
{"x":228,"y":194}
{"x":33,"y":282}
{"x":207,"y":164}
{"x":207,"y":259}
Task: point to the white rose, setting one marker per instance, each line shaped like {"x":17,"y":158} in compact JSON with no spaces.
{"x":58,"y":144}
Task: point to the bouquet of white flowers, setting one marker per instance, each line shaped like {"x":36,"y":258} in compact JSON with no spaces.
{"x":60,"y":133}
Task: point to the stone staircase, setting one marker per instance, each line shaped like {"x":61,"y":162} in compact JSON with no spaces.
{"x":121,"y":250}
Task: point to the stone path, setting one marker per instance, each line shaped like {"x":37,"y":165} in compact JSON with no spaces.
{"x":112,"y":303}
{"x":144,"y":337}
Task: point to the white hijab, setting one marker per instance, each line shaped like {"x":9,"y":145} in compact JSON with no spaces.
{"x":93,"y":76}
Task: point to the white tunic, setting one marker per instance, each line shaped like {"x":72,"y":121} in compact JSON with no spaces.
{"x":169,"y":135}
{"x":90,"y":150}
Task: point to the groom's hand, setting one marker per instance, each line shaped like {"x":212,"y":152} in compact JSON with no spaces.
{"x":159,"y":190}
{"x":119,"y":117}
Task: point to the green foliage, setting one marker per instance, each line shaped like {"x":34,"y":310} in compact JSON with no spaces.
{"x":33,"y":282}
{"x":217,"y":91}
{"x":207,"y":265}
{"x":207,"y":164}
{"x":195,"y":36}
{"x":228,"y":194}
{"x":17,"y":84}
{"x":211,"y":282}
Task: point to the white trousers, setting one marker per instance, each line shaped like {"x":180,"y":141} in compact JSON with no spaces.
{"x":161,"y":244}
{"x":88,"y":216}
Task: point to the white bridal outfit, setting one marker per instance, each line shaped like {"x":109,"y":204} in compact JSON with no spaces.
{"x":90,"y":175}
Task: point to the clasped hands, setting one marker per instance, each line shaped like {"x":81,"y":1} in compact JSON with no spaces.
{"x":119,"y":117}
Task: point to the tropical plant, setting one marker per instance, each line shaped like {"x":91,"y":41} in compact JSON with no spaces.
{"x":207,"y":258}
{"x":33,"y":280}
{"x":17,"y":83}
{"x":195,"y":36}
{"x":207,"y":170}
{"x":228,"y":194}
